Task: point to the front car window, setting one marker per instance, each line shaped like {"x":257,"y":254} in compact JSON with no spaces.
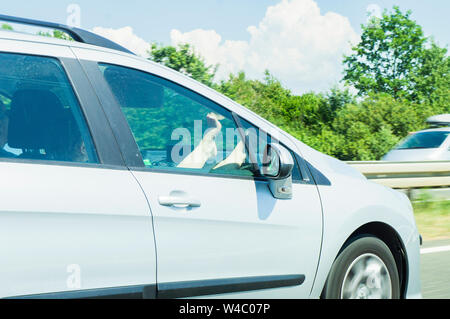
{"x":175,"y":128}
{"x":424,"y":140}
{"x":40,"y":118}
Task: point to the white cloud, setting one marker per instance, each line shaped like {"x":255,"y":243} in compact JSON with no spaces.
{"x":126,"y":38}
{"x":294,"y":41}
{"x":298,"y":44}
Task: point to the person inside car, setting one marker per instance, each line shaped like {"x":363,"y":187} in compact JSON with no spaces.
{"x":207,"y":148}
{"x":71,"y":147}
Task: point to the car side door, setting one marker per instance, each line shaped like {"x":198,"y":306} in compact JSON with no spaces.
{"x":73,"y":220}
{"x":218,"y":229}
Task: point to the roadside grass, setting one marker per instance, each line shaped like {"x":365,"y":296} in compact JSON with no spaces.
{"x":432,"y":218}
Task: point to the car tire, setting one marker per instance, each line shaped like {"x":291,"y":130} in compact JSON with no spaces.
{"x":364,"y":269}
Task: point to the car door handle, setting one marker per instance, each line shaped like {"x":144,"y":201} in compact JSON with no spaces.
{"x":179,"y":202}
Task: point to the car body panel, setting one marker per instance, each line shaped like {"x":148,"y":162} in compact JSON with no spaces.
{"x":57,"y":222}
{"x":418,"y":155}
{"x":239,"y":231}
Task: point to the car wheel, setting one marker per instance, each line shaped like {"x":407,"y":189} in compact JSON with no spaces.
{"x":365,"y":269}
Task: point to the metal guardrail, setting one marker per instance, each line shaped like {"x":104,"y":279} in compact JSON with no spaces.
{"x":406,"y":175}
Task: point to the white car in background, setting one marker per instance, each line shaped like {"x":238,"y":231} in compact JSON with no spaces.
{"x":101,"y":195}
{"x":427,"y":145}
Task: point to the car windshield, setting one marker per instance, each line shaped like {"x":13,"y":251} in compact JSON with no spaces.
{"x":424,"y":140}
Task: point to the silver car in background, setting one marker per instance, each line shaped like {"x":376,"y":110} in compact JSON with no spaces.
{"x":427,"y":145}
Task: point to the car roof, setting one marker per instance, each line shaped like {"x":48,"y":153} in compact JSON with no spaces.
{"x":439,"y":129}
{"x":27,"y":37}
{"x":440,"y":119}
{"x":22,"y":36}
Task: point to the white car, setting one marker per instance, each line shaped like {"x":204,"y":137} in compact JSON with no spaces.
{"x":427,"y":145}
{"x":121,"y":177}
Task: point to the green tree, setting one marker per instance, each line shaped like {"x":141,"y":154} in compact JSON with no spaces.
{"x":56,"y":34}
{"x":369,"y":129}
{"x":335,"y":100}
{"x":402,"y":79}
{"x":6,"y":26}
{"x":389,"y":54}
{"x":432,"y":80}
{"x":265,"y":98}
{"x":184,"y":59}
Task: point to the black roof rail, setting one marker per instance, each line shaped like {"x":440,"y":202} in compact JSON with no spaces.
{"x":77,"y":34}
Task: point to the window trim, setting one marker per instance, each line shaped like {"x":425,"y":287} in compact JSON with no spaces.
{"x":200,"y":174}
{"x":238,"y":123}
{"x":103,"y":139}
{"x":120,"y":130}
{"x":60,"y":163}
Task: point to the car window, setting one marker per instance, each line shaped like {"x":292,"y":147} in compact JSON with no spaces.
{"x":40,"y":118}
{"x":258,"y":139}
{"x":424,"y":140}
{"x":175,"y":128}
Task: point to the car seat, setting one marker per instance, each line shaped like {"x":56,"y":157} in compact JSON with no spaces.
{"x":37,"y":124}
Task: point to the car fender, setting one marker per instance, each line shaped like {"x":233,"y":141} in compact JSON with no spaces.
{"x":346,"y":209}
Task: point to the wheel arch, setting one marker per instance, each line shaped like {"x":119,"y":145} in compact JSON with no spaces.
{"x":392,"y":239}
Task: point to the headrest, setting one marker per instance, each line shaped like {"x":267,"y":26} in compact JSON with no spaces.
{"x":37,"y":120}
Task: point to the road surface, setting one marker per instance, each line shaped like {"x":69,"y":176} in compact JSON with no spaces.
{"x":435,"y":269}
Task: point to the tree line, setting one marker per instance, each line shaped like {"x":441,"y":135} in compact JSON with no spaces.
{"x":401,"y":78}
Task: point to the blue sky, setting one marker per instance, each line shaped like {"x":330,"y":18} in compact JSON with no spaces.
{"x":220,"y":30}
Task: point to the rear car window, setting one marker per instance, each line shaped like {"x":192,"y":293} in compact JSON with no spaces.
{"x":40,"y":118}
{"x":424,"y":140}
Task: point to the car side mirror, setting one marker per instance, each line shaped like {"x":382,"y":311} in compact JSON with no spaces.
{"x":277,"y":168}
